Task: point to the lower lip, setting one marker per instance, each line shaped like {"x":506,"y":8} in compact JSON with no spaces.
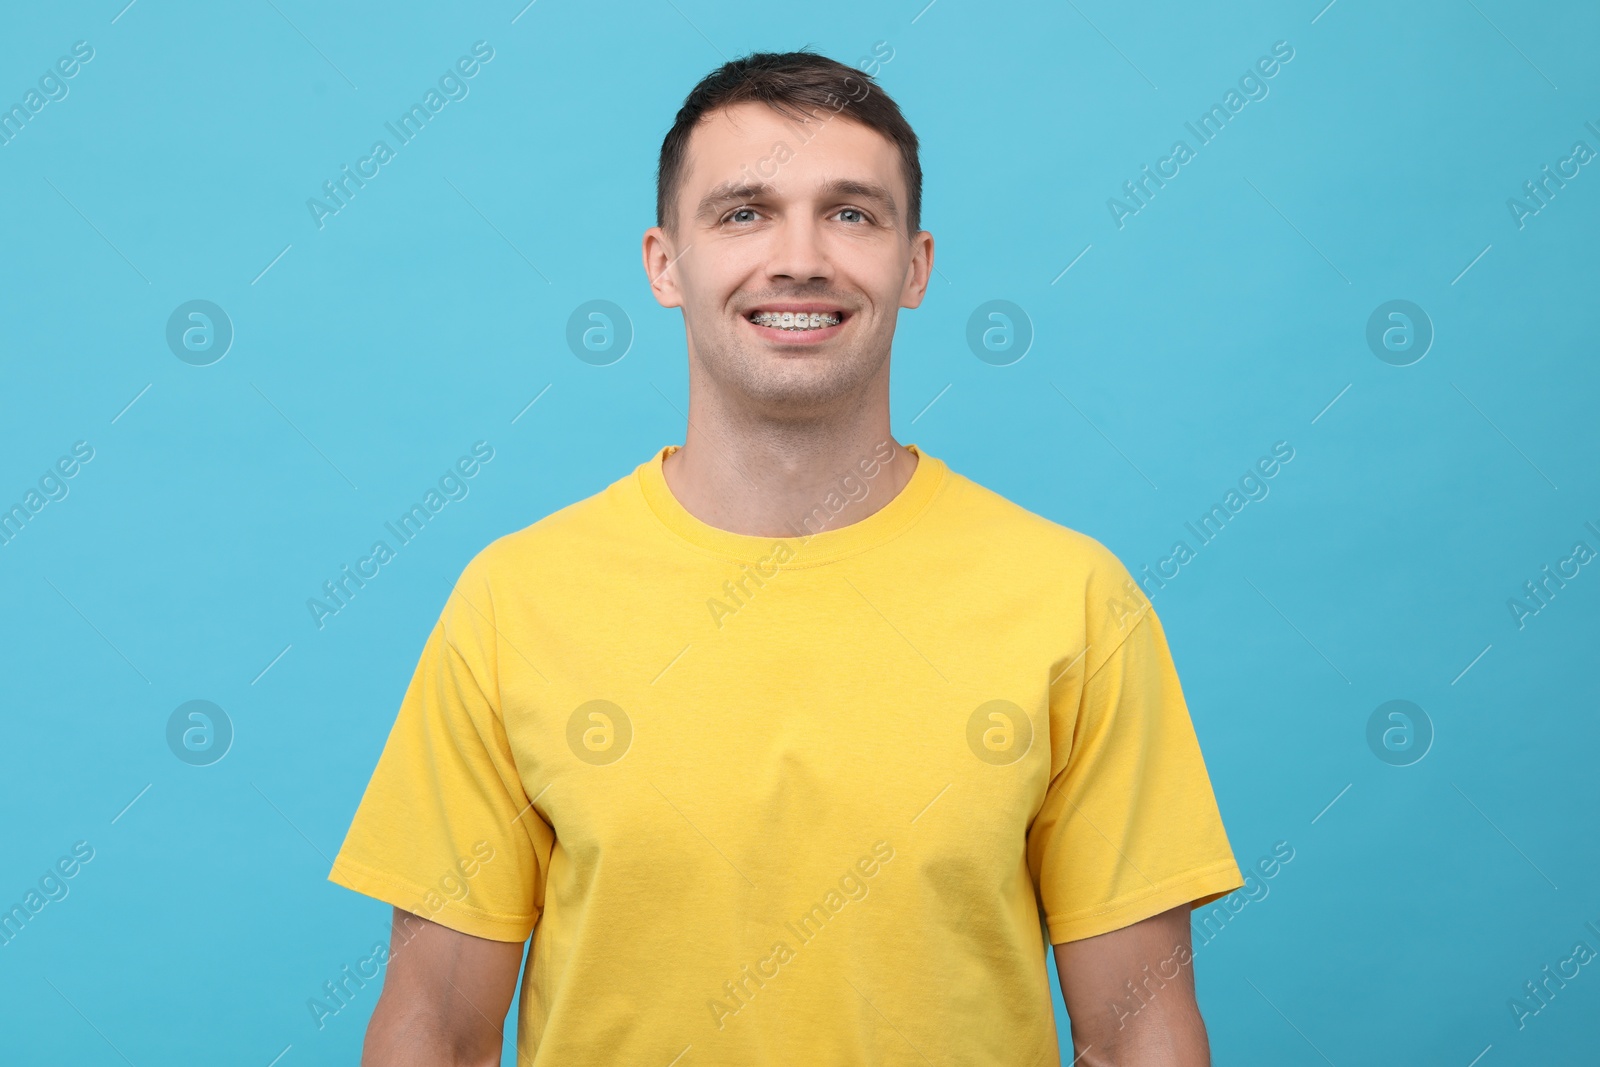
{"x":797,"y":337}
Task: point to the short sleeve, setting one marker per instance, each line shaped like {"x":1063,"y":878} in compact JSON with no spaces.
{"x":1129,"y":826}
{"x":445,"y":828}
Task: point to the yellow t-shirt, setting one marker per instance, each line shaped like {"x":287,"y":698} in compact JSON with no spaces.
{"x":817,"y":799}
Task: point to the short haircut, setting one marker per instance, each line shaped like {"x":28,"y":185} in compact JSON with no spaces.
{"x":797,"y":85}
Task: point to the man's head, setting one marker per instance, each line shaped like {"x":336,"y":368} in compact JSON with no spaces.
{"x":798,"y":85}
{"x":789,"y":184}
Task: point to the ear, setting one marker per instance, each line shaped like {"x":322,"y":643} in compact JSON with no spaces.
{"x":659,"y":262}
{"x":919,"y":270}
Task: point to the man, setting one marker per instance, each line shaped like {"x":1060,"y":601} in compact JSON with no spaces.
{"x":793,"y":746}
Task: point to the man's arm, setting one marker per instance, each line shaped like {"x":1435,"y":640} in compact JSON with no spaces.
{"x":1130,"y":995}
{"x":444,"y":999}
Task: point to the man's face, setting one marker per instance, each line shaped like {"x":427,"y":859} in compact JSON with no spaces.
{"x":777,"y":217}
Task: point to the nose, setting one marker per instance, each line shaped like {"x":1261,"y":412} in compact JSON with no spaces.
{"x":798,"y":253}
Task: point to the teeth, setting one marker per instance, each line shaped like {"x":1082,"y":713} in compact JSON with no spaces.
{"x":795,"y":320}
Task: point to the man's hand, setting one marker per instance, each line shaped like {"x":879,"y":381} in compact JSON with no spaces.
{"x":444,"y":999}
{"x":1130,"y":995}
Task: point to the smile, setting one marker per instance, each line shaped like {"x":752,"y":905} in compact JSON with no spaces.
{"x":796,"y":320}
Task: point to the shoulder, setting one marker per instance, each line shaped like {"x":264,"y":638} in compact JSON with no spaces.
{"x":1054,"y":549}
{"x":555,"y":541}
{"x":1071,"y":567}
{"x":540,"y":560}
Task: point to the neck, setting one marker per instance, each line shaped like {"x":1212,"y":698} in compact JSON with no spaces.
{"x":768,"y":481}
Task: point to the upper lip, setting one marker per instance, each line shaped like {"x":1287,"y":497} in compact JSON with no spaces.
{"x":799,"y":308}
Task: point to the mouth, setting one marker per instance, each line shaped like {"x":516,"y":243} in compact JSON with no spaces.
{"x":797,"y":323}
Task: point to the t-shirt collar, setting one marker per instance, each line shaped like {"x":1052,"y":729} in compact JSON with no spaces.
{"x":817,"y":541}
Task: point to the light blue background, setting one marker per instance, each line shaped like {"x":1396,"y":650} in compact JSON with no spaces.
{"x":1225,"y":316}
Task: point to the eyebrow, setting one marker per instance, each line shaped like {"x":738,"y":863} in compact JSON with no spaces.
{"x":738,"y":191}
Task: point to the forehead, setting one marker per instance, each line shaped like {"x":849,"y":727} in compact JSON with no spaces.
{"x":751,"y":140}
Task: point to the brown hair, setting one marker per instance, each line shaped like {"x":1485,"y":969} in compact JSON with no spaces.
{"x":795,"y":84}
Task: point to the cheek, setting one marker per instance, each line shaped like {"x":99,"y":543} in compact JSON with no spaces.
{"x":875,"y":275}
{"x":720,"y":286}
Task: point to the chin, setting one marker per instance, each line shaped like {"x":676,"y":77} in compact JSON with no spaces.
{"x":809,"y":382}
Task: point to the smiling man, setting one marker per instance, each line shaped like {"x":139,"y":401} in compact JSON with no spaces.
{"x":792,"y":745}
